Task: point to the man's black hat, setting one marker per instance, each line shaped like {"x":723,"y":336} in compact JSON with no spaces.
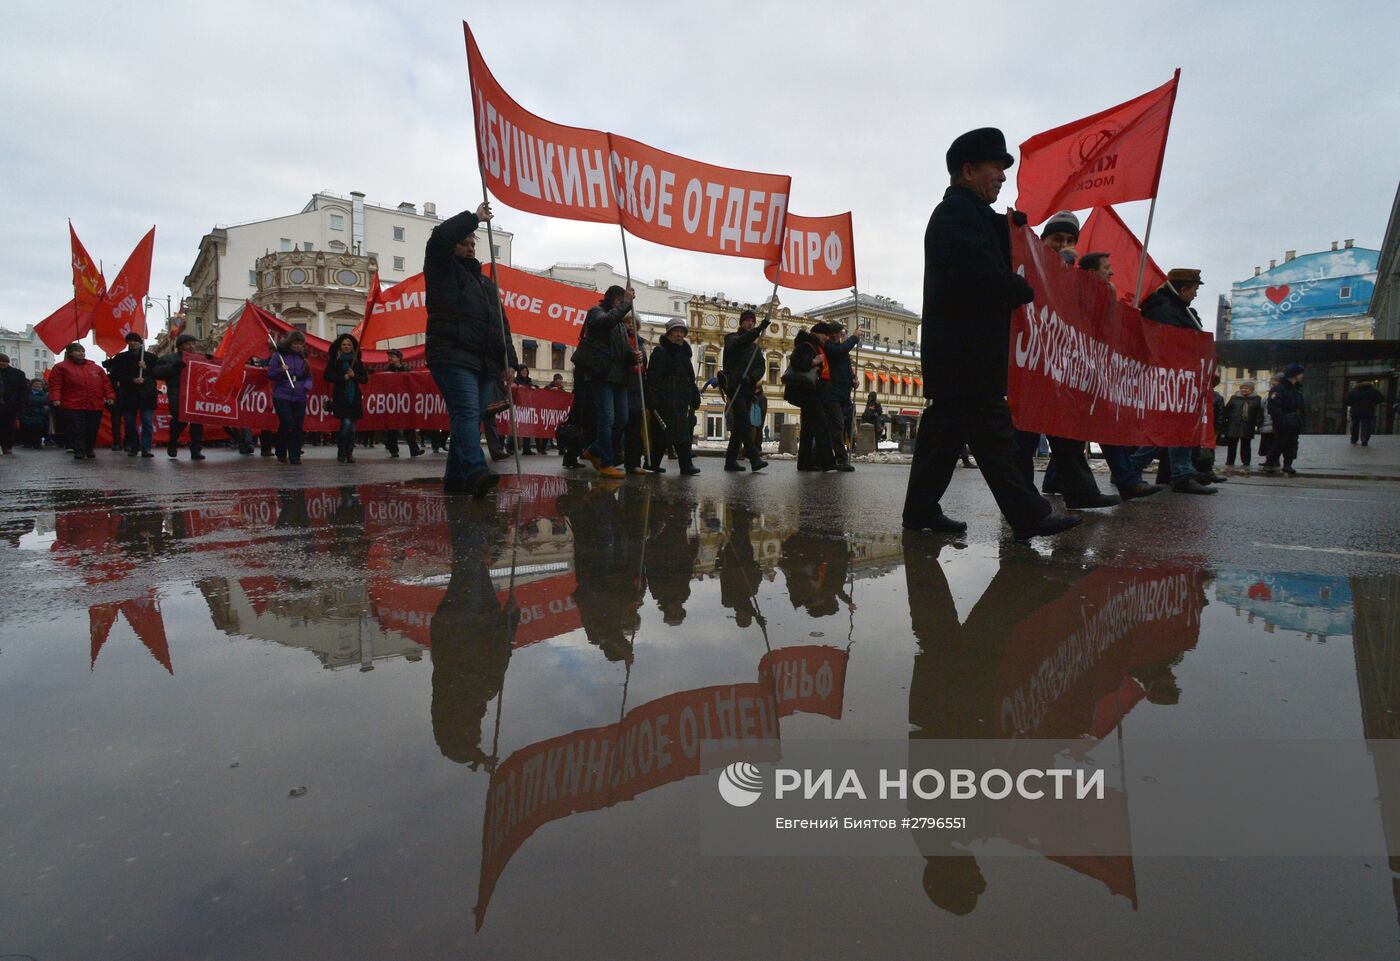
{"x":984,"y":143}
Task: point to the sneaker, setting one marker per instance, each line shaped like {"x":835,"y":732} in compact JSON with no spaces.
{"x":1048,"y":526}
{"x":1140,"y":489}
{"x":939,"y":523}
{"x":612,"y":472}
{"x":1190,"y":485}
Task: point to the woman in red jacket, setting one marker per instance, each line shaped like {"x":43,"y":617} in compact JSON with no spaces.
{"x":79,"y":391}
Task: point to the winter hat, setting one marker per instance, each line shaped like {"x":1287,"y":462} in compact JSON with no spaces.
{"x":1292,"y":370}
{"x":821,"y":328}
{"x":133,"y":335}
{"x":984,"y":143}
{"x":1063,"y":222}
{"x":1180,"y":277}
{"x":185,"y":339}
{"x":676,"y":322}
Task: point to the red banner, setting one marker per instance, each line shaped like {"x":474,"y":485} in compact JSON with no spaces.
{"x":1109,"y":158}
{"x":1105,"y":233}
{"x":1086,"y":365}
{"x":811,"y":679}
{"x":819,"y":253}
{"x":580,"y":174}
{"x":123,"y":309}
{"x":402,"y":400}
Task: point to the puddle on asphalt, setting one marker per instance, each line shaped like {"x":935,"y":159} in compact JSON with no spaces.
{"x":318,"y":722}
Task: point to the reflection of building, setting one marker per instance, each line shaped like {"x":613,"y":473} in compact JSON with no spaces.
{"x":337,"y":236}
{"x":1309,"y":603}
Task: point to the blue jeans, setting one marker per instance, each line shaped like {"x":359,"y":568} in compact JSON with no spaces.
{"x":290,"y":416}
{"x":462,"y":390}
{"x":610,"y":411}
{"x":345,"y":437}
{"x":148,"y":427}
{"x":1120,"y":466}
{"x":1179,"y":459}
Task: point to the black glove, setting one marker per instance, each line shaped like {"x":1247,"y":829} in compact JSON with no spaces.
{"x":1018,"y":219}
{"x":1021,"y":291}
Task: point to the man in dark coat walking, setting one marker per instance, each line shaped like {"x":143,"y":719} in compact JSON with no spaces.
{"x":743,"y":368}
{"x":1362,"y":401}
{"x":171,"y":369}
{"x":135,"y":386}
{"x":468,"y":345}
{"x":970,"y":291}
{"x":843,"y":376}
{"x":14,"y":394}
{"x":1288,"y":412}
{"x":674,"y":396}
{"x":1244,"y":413}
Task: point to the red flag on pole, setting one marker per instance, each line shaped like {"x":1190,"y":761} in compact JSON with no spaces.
{"x":819,"y":253}
{"x":89,"y":287}
{"x":1109,"y":158}
{"x":363,"y":331}
{"x":241,"y":342}
{"x":60,"y":328}
{"x":1104,"y":232}
{"x":123,"y":310}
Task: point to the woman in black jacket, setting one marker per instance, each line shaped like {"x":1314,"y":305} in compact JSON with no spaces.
{"x":347,"y":376}
{"x":814,"y":451}
{"x":602,"y":363}
{"x":674,"y":397}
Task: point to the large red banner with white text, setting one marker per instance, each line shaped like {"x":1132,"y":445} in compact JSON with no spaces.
{"x":392,"y":401}
{"x":581,"y":174}
{"x":1086,"y":365}
{"x":819,"y":253}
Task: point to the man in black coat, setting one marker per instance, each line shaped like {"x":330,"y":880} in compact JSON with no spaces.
{"x":1362,"y":401}
{"x":1288,"y":412}
{"x":602,"y":369}
{"x":674,"y":396}
{"x":843,"y":376}
{"x":743,"y":368}
{"x":970,"y":291}
{"x":171,"y":369}
{"x":135,"y":386}
{"x":468,"y":345}
{"x":14,"y":394}
{"x":1170,"y":304}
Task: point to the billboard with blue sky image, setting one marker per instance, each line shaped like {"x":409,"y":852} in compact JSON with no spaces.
{"x":1278,"y":303}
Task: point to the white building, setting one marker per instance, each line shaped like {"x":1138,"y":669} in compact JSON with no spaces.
{"x":225,"y":272}
{"x":25,"y":350}
{"x":659,"y":298}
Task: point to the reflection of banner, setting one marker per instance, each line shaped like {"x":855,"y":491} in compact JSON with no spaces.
{"x":1065,"y":666}
{"x":819,"y":253}
{"x":407,"y":399}
{"x":579,"y":174}
{"x":654,"y":744}
{"x":811,"y":679}
{"x":1087,"y":366}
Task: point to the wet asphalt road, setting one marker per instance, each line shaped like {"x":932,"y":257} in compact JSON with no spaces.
{"x":255,"y":711}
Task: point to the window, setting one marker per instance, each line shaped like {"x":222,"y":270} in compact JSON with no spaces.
{"x":286,"y":244}
{"x":307,"y":246}
{"x":343,"y":329}
{"x":252,"y":278}
{"x":496,"y":251}
{"x":299,"y":325}
{"x":337,"y":221}
{"x":714,"y":426}
{"x":347,"y":278}
{"x":337,"y":245}
{"x":1345,"y":336}
{"x":1330,"y":336}
{"x":773,"y":371}
{"x":398,"y":263}
{"x":529,"y":353}
{"x":556,"y":357}
{"x":710,"y":362}
{"x":398,"y":233}
{"x":1344,"y":294}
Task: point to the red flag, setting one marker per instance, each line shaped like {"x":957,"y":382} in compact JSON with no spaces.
{"x":1112,"y":157}
{"x":363,"y":328}
{"x":89,"y":287}
{"x":241,"y":342}
{"x":819,"y":253}
{"x":1104,"y":232}
{"x":124,"y":308}
{"x":60,"y":328}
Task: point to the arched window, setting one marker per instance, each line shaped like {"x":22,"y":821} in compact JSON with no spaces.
{"x":711,"y":362}
{"x":775,"y":363}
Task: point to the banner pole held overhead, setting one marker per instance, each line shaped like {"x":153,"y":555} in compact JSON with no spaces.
{"x":637,"y":343}
{"x":1142,"y":262}
{"x":501,"y":309}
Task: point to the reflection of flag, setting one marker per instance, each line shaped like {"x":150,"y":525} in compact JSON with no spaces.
{"x":123,"y":310}
{"x":143,"y":614}
{"x":1109,"y":158}
{"x":1105,"y":233}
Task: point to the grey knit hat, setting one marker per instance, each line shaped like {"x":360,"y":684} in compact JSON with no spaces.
{"x":1063,"y":222}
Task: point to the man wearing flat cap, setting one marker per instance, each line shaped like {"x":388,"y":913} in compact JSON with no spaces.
{"x":970,"y":291}
{"x":1170,"y":304}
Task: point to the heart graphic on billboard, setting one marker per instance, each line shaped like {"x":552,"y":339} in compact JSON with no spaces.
{"x":1277,"y":294}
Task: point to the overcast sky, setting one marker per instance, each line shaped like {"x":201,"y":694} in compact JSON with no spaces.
{"x":123,"y":115}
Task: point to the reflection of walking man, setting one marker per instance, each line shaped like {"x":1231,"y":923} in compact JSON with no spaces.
{"x":969,"y":293}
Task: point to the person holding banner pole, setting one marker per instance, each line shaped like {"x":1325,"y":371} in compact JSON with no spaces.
{"x":741,"y":350}
{"x":634,"y":335}
{"x":288,"y":361}
{"x":970,"y":290}
{"x":468,"y":344}
{"x":508,"y":350}
{"x":171,"y":369}
{"x":600,"y":371}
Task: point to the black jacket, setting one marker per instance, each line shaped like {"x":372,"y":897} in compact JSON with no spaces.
{"x":14,"y":390}
{"x":1243,"y":415}
{"x":604,"y":328}
{"x":1363,"y":401}
{"x":969,"y":293}
{"x":843,"y":375}
{"x":1287,"y":409}
{"x":805,"y":351}
{"x":464,"y":319}
{"x":738,"y":360}
{"x":171,"y":369}
{"x":1165,"y":306}
{"x":124,"y":369}
{"x":345,"y":404}
{"x":671,"y":377}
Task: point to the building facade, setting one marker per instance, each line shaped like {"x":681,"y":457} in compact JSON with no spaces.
{"x":348,"y":231}
{"x":26,"y":351}
{"x":1280,"y":303}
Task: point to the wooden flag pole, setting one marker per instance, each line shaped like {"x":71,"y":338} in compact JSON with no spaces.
{"x":637,"y":343}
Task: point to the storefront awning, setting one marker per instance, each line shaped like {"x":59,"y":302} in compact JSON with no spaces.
{"x":869,"y":375}
{"x":907,"y":380}
{"x":884,"y":378}
{"x":918,"y":382}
